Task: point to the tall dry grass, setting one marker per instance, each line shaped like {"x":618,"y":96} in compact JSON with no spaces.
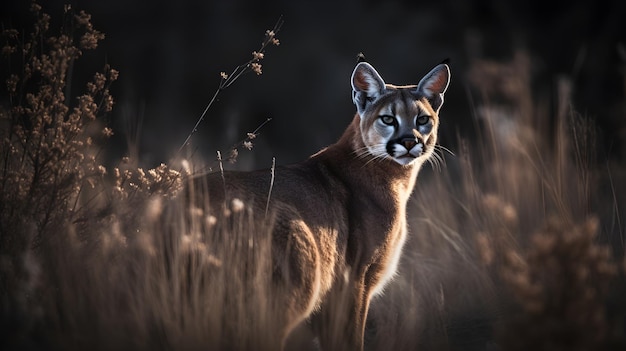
{"x":515,"y":244}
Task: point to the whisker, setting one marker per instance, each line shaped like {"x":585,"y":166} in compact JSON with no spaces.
{"x":439,"y":151}
{"x":376,"y":158}
{"x":443,"y":148}
{"x":371,"y":154}
{"x":438,"y":156}
{"x":430,"y":162}
{"x":434,"y":162}
{"x":364,"y":155}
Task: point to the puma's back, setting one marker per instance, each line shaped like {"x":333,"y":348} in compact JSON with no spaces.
{"x":338,"y":218}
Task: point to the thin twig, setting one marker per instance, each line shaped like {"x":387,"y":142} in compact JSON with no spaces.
{"x":195,"y":127}
{"x":249,"y":137}
{"x":256,"y":131}
{"x":269,"y":194}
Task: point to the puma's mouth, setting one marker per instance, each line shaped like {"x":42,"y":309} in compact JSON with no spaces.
{"x":406,"y":152}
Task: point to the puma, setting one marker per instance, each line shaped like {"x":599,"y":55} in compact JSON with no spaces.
{"x":338,"y":218}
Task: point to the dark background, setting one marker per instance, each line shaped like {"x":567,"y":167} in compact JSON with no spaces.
{"x":170,"y":54}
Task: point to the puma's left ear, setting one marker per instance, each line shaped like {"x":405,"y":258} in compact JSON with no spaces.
{"x":367,"y":86}
{"x":434,"y":85}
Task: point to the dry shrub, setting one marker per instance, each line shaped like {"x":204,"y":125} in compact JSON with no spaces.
{"x":49,"y":136}
{"x":49,"y":157}
{"x":560,"y":287}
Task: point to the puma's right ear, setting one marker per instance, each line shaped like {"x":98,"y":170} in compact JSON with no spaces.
{"x":367,"y":86}
{"x":434,"y":85}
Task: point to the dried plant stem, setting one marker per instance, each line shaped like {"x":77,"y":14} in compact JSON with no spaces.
{"x":269,"y":194}
{"x":219,"y":159}
{"x":195,"y":127}
{"x":229,"y":79}
{"x":256,"y":131}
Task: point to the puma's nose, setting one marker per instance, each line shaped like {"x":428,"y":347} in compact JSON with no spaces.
{"x":408,"y":143}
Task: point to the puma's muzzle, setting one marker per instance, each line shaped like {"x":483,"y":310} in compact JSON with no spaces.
{"x":406,"y":149}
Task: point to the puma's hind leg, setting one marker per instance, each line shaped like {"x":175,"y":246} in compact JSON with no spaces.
{"x":296,"y":273}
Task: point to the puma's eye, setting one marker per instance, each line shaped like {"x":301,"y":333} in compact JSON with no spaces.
{"x":388,"y":120}
{"x":421,"y":120}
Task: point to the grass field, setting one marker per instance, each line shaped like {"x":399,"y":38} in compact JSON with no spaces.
{"x":516,"y":241}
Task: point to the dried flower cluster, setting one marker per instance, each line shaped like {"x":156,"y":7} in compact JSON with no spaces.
{"x":254,"y":64}
{"x":245,"y":143}
{"x":138,"y":183}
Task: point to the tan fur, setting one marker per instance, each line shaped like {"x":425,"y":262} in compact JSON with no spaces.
{"x":338,"y":220}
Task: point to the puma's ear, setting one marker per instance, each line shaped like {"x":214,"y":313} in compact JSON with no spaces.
{"x":434,"y":85}
{"x":367,"y":86}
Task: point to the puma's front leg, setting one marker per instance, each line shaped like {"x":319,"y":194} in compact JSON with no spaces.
{"x":340,"y":324}
{"x":361,"y":307}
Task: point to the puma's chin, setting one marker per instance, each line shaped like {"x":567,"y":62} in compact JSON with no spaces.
{"x":405,"y":160}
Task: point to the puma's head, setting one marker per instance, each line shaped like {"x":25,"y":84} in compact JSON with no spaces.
{"x":399,"y":122}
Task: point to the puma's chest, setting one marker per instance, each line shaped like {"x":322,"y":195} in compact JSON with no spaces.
{"x":390,"y":258}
